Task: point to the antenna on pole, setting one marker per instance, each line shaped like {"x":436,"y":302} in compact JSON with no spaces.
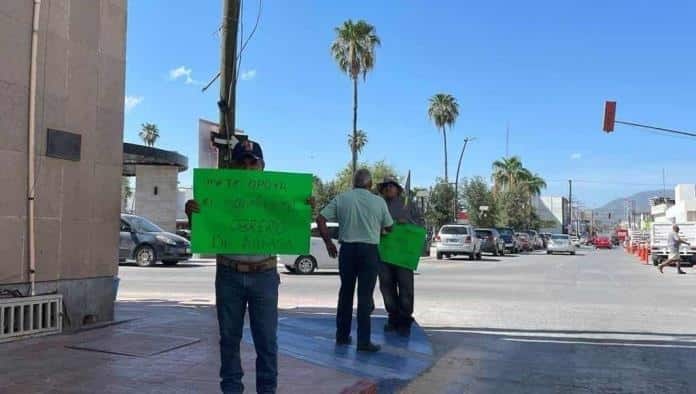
{"x":507,"y":140}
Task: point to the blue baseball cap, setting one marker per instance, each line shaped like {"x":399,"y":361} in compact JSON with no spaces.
{"x":247,"y":149}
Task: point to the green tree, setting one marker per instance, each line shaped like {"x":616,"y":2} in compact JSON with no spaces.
{"x":443,"y":110}
{"x":476,"y":194}
{"x":358,"y":141}
{"x":323,"y":192}
{"x":149,"y":133}
{"x":439,"y":210}
{"x":379,"y":170}
{"x":507,"y":172}
{"x":354,"y":50}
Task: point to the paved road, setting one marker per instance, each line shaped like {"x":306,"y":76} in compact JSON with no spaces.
{"x":595,"y":322}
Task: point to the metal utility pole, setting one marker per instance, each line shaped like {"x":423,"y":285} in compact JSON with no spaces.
{"x":570,"y":201}
{"x":228,"y":78}
{"x":507,"y":140}
{"x":456,"y":179}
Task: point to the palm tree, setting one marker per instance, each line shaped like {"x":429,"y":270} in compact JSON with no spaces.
{"x":360,"y":139}
{"x":149,"y":133}
{"x":507,"y":172}
{"x":443,"y":111}
{"x":354,"y":51}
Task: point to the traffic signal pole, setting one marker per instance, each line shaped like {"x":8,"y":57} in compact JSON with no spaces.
{"x":610,"y":121}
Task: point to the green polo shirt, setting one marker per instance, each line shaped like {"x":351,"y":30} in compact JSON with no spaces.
{"x":360,"y":215}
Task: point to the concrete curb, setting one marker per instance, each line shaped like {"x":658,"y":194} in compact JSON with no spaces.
{"x":361,"y":387}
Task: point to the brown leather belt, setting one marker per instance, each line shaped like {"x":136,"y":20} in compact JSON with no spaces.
{"x":264,"y":265}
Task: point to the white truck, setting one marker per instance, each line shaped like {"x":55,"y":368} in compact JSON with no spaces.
{"x":659,"y":248}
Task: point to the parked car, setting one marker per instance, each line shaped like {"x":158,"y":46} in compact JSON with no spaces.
{"x":545,"y":238}
{"x":602,"y":242}
{"x":575,"y":241}
{"x":560,"y":243}
{"x":534,"y":239}
{"x":491,"y":242}
{"x":508,"y":236}
{"x":147,"y":243}
{"x":523,"y":242}
{"x":318,"y":257}
{"x":457,"y":240}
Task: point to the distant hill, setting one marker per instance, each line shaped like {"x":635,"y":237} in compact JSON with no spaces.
{"x":617,"y":207}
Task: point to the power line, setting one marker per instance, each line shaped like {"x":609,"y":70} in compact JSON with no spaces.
{"x":609,"y":182}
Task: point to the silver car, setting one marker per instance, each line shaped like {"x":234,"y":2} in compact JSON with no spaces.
{"x":318,"y":257}
{"x":457,"y":240}
{"x":560,"y":243}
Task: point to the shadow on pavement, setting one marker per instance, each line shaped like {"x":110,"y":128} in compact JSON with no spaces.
{"x":498,"y":360}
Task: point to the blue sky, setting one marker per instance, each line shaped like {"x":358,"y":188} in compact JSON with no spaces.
{"x":545,"y":67}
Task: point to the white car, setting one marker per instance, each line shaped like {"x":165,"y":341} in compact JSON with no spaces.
{"x":457,"y":239}
{"x":318,"y":257}
{"x":560,"y":243}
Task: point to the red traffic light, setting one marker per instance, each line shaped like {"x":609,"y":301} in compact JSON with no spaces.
{"x":609,"y":116}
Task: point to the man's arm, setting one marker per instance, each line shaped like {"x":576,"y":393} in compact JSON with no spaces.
{"x":324,"y":232}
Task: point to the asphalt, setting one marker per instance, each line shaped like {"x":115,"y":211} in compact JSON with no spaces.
{"x":596,"y":322}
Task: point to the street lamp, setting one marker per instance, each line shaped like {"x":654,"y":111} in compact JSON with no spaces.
{"x":456,"y":179}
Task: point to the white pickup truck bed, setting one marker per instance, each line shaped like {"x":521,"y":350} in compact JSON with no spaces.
{"x":658,"y":241}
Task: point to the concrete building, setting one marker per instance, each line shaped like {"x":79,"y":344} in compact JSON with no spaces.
{"x":79,"y":99}
{"x":553,"y":212}
{"x":156,"y":186}
{"x":680,"y":210}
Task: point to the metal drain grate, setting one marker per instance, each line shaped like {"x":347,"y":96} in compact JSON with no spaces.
{"x":30,"y":316}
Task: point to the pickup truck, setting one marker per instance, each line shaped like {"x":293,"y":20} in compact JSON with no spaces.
{"x":658,"y":242}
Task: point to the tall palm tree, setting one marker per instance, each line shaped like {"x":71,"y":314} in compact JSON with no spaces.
{"x":354,"y":51}
{"x":443,"y":111}
{"x":358,"y":141}
{"x":507,"y":172}
{"x":149,"y":133}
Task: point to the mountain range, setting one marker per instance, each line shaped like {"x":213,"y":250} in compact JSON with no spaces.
{"x":617,"y":207}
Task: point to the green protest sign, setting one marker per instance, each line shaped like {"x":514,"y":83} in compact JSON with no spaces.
{"x":403,"y":246}
{"x":251,"y":212}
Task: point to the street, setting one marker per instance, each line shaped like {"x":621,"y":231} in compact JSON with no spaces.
{"x":597,"y":321}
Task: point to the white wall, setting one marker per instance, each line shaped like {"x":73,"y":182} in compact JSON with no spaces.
{"x":160,"y":207}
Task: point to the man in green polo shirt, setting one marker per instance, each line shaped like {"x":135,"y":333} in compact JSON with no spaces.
{"x":361,"y":216}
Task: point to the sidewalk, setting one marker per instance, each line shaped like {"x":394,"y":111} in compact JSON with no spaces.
{"x":165,"y":347}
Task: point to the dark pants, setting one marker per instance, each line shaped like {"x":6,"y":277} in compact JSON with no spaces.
{"x":396,"y":285}
{"x":356,"y":262}
{"x":234,"y":293}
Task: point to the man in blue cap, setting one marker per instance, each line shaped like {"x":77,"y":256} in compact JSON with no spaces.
{"x":246,"y":281}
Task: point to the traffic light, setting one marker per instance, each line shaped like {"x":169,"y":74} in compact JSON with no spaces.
{"x":609,"y":116}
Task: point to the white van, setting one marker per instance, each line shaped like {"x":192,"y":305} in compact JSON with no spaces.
{"x":318,"y":257}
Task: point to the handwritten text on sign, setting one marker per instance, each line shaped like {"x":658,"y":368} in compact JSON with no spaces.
{"x":251,"y":212}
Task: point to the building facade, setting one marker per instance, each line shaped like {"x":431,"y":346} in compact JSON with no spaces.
{"x":680,"y":210}
{"x":553,"y":213}
{"x":79,"y":100}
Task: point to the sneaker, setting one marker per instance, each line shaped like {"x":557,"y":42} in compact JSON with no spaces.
{"x":680,"y":272}
{"x":369,"y":348}
{"x":344,"y":341}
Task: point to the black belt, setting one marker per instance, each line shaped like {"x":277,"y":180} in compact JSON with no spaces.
{"x":239,"y":266}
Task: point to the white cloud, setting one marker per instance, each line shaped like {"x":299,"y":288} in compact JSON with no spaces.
{"x":182,"y":72}
{"x":247,"y":75}
{"x":132,"y":101}
{"x":575,"y":156}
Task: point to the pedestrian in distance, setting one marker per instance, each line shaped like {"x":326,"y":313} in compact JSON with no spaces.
{"x":242,"y":282}
{"x":396,"y":283}
{"x":673,"y":241}
{"x":362,"y":217}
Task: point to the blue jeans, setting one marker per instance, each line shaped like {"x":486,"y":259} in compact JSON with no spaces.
{"x":234,"y":292}
{"x":356,"y":262}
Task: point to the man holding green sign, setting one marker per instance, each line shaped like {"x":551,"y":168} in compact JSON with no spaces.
{"x":248,"y":217}
{"x":400,"y":252}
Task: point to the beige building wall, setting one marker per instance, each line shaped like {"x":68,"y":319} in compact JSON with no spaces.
{"x":81,"y":82}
